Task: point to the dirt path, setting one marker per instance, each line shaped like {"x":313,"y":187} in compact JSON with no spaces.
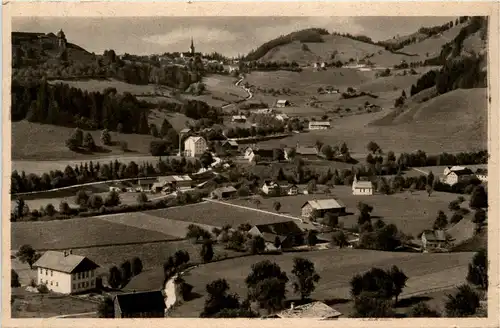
{"x":74,"y":315}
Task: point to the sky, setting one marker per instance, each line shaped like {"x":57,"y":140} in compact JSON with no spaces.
{"x":227,"y":35}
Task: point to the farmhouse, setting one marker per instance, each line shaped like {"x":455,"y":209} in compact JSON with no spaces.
{"x":271,"y":188}
{"x":118,"y":187}
{"x":290,"y":190}
{"x":224,"y":192}
{"x":482,"y":174}
{"x":320,"y":207}
{"x":172,"y":182}
{"x":185,"y":131}
{"x":282,"y":103}
{"x":362,"y":187}
{"x":456,"y":174}
{"x":66,"y":273}
{"x":433,"y":239}
{"x":263,"y":154}
{"x":229,"y":145}
{"x":149,"y":304}
{"x":287,"y":233}
{"x":239,"y":118}
{"x":281,"y":117}
{"x":146,"y":184}
{"x":306,"y":152}
{"x":319,"y":125}
{"x":195,"y":146}
{"x":314,"y":310}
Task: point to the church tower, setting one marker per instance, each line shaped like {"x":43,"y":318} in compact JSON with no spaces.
{"x":61,"y":38}
{"x":191,"y":48}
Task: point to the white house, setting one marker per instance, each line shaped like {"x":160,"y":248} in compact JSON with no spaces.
{"x":271,"y":188}
{"x":282,"y":103}
{"x":319,"y":125}
{"x":362,"y":187}
{"x":281,"y":117}
{"x":239,"y":118}
{"x":433,"y":239}
{"x":66,"y":273}
{"x":456,"y":174}
{"x":195,"y":146}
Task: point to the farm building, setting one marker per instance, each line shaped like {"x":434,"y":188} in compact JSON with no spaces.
{"x":149,"y":304}
{"x":281,"y":117}
{"x":362,"y":187}
{"x":66,"y":273}
{"x":314,"y":310}
{"x":282,"y":103}
{"x":263,"y":154}
{"x":118,"y":187}
{"x":271,"y":188}
{"x":195,"y":146}
{"x":177,"y":181}
{"x":433,"y":239}
{"x":224,"y":192}
{"x":290,"y":190}
{"x":185,"y":131}
{"x":305,"y":152}
{"x":282,"y":235}
{"x":264,"y":111}
{"x":145,"y":184}
{"x":229,"y":145}
{"x":239,"y":118}
{"x":456,"y":174}
{"x":482,"y":174}
{"x":320,"y":207}
{"x":319,"y":125}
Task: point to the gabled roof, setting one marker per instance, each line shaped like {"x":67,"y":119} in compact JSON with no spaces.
{"x":174,"y":178}
{"x":270,"y":183}
{"x":319,"y":123}
{"x":436,"y":235}
{"x":285,"y":228}
{"x":362,"y":184}
{"x":306,"y":151}
{"x":185,"y":130}
{"x":230,"y":142}
{"x":239,"y":117}
{"x":282,"y":101}
{"x":324,"y":204}
{"x":317,"y":310}
{"x":225,"y":189}
{"x":195,"y":139}
{"x":464,"y":171}
{"x":151,"y":301}
{"x":70,"y":263}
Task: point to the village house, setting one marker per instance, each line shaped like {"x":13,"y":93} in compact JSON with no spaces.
{"x":315,"y":310}
{"x":290,"y":190}
{"x":319,"y":125}
{"x":263,"y":154}
{"x":118,"y":187}
{"x":66,"y":273}
{"x":482,"y":174}
{"x":239,"y":119}
{"x":282,"y":103}
{"x":279,"y":235}
{"x":304,"y":152}
{"x":229,"y":145}
{"x":146,"y":184}
{"x":172,"y":183}
{"x":224,"y":192}
{"x":271,"y":188}
{"x":150,"y":304}
{"x":195,"y":146}
{"x":433,"y":239}
{"x":361,"y":187}
{"x":264,"y":111}
{"x":281,"y":117}
{"x":318,"y":208}
{"x":456,"y":174}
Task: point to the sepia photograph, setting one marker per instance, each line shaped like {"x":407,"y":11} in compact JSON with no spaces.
{"x":273,"y":167}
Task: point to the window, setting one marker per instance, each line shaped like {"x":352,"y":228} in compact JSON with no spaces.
{"x":86,"y":274}
{"x":92,"y":273}
{"x":51,"y":282}
{"x":41,"y":271}
{"x":74,"y":286}
{"x":46,"y":272}
{"x":79,"y":285}
{"x":51,"y":273}
{"x":57,"y":284}
{"x":92,"y":283}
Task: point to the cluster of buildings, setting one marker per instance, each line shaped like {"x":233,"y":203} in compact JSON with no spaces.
{"x":456,"y":174}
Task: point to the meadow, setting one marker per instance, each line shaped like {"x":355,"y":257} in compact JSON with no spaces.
{"x":336,"y":267}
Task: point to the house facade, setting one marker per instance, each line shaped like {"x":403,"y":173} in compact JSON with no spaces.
{"x":319,"y":125}
{"x":224,"y":192}
{"x":279,"y":235}
{"x":290,"y":190}
{"x":195,"y":146}
{"x":456,"y":174}
{"x":433,"y":239}
{"x":149,"y":304}
{"x":146,"y":184}
{"x":239,"y":118}
{"x":271,"y":188}
{"x":482,"y":175}
{"x":362,"y":187}
{"x":263,"y":154}
{"x":66,"y":273}
{"x":282,"y":103}
{"x":320,"y":207}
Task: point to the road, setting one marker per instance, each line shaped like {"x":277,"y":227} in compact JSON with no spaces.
{"x":248,"y":91}
{"x":74,"y":315}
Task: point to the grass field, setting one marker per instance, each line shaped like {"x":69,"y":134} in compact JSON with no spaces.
{"x":410,"y":213}
{"x":336,"y":268}
{"x":31,"y":305}
{"x":80,"y":232}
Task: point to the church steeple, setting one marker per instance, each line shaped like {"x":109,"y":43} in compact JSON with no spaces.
{"x":191,"y":48}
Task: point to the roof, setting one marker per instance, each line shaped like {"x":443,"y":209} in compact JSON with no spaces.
{"x":306,"y":151}
{"x":270,"y":183}
{"x":195,"y":138}
{"x":310,"y":310}
{"x":174,"y":178}
{"x":319,"y":123}
{"x":185,"y":130}
{"x":271,"y":237}
{"x":280,"y":228}
{"x":464,"y":171}
{"x":239,"y":117}
{"x":362,"y":184}
{"x":69,"y":264}
{"x":324,"y":204}
{"x":225,"y":189}
{"x":231,"y":142}
{"x":147,"y":181}
{"x":282,"y":101}
{"x":152,"y":301}
{"x":436,"y":235}
{"x":482,"y":171}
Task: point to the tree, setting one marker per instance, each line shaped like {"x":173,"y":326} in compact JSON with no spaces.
{"x":328,"y":152}
{"x":142,"y":198}
{"x":158,"y":147}
{"x":464,"y":303}
{"x":88,"y":142}
{"x":136,"y":266}
{"x":77,"y":136}
{"x":206,"y":159}
{"x":267,"y":285}
{"x":218,"y":298}
{"x":257,"y":245}
{"x":181,"y":257}
{"x":64,"y":208}
{"x":95,"y":202}
{"x":50,"y":210}
{"x":312,"y":237}
{"x":422,"y":310}
{"x":106,"y":308}
{"x":479,"y":218}
{"x":277,"y":206}
{"x":478,"y":269}
{"x":331,"y":220}
{"x":305,"y":277}
{"x":373,"y":147}
{"x":428,"y":189}
{"x":114,"y":277}
{"x":105,"y":137}
{"x":112,"y":199}
{"x":454,"y":205}
{"x":26,"y":254}
{"x":367,"y":306}
{"x":81,"y":198}
{"x":126,"y":270}
{"x":479,"y":198}
{"x":312,"y":187}
{"x":364,"y":213}
{"x":339,"y":239}
{"x":441,"y":221}
{"x":278,"y":154}
{"x":399,"y":280}
{"x":14,"y":279}
{"x":207,"y":251}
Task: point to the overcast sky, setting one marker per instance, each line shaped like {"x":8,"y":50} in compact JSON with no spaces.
{"x":228,"y":35}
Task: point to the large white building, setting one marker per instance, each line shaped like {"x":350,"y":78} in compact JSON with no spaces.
{"x":66,"y":273}
{"x":195,"y":146}
{"x":362,"y":187}
{"x":456,"y":174}
{"x":319,"y":125}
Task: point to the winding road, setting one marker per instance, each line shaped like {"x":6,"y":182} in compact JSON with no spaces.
{"x":248,"y":91}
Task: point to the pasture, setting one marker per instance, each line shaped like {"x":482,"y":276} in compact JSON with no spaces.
{"x":220,"y":90}
{"x":411,"y":213}
{"x":336,"y":267}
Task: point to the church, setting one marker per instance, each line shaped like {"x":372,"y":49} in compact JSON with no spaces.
{"x":191,"y":53}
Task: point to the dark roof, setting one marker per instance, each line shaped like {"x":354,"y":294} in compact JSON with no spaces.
{"x":280,"y":228}
{"x":306,"y":151}
{"x":69,"y":263}
{"x":463,"y":172}
{"x":152,"y":301}
{"x":264,"y":152}
{"x":436,"y":235}
{"x":225,"y":189}
{"x":147,"y":181}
